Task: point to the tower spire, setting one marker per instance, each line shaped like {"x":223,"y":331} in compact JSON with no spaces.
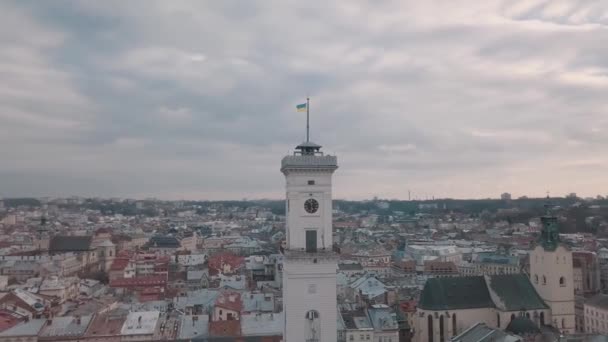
{"x":549,"y":237}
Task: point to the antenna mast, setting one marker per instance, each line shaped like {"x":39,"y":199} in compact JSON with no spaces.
{"x":307,"y":119}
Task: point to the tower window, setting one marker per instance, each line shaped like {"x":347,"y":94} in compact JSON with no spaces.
{"x":430,"y":328}
{"x":311,"y":182}
{"x":311,"y":241}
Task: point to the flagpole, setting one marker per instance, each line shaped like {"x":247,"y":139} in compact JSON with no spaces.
{"x":307,"y":119}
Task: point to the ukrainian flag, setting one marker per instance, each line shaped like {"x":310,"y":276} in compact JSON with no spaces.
{"x":301,"y":107}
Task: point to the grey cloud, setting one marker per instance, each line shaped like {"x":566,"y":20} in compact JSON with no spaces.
{"x":183,"y":99}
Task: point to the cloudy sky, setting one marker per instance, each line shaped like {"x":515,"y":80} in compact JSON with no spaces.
{"x":196,"y":99}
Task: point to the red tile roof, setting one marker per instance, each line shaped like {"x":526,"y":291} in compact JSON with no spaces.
{"x":408,"y":306}
{"x":7,"y":320}
{"x":119,"y":264}
{"x":225,"y":328}
{"x":105,"y":325}
{"x":150,"y":294}
{"x":216,"y":261}
{"x":587,"y":256}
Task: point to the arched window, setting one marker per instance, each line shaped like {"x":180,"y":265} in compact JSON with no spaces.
{"x":498,"y":320}
{"x":430,"y":327}
{"x":544,"y":280}
{"x":562,"y":281}
{"x":454,"y":327}
{"x":536,"y":278}
{"x":313,"y":325}
{"x":441,"y":329}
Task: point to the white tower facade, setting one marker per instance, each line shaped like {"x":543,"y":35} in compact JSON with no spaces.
{"x":309,"y":273}
{"x":552,"y":275}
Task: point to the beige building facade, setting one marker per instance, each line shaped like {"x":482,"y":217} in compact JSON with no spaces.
{"x":596,"y":315}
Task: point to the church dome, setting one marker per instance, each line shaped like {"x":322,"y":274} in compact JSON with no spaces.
{"x":522,"y":326}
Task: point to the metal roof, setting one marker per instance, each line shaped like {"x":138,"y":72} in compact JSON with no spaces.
{"x":31,"y":328}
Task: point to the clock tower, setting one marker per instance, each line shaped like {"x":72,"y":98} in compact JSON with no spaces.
{"x":309,"y":274}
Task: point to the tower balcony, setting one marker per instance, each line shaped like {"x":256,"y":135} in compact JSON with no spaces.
{"x":319,"y":256}
{"x":308,"y":162}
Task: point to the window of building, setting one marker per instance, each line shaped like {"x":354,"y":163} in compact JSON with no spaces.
{"x":430,"y":327}
{"x":441,"y":329}
{"x":536,"y":278}
{"x":351,"y":338}
{"x":544,"y":280}
{"x":498,"y":320}
{"x":562,"y":281}
{"x":361,"y":337}
{"x":311,"y":182}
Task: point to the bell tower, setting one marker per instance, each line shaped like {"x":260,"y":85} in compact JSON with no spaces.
{"x":309,"y":273}
{"x":552,"y":275}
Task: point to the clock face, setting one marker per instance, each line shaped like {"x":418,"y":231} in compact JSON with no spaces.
{"x":311,"y":206}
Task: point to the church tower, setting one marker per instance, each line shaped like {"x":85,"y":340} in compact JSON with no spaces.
{"x":552,"y":275}
{"x":309,"y":273}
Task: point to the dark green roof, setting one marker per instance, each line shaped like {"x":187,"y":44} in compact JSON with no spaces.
{"x":451,"y":293}
{"x":515,"y":293}
{"x":522,"y":326}
{"x":63,"y":243}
